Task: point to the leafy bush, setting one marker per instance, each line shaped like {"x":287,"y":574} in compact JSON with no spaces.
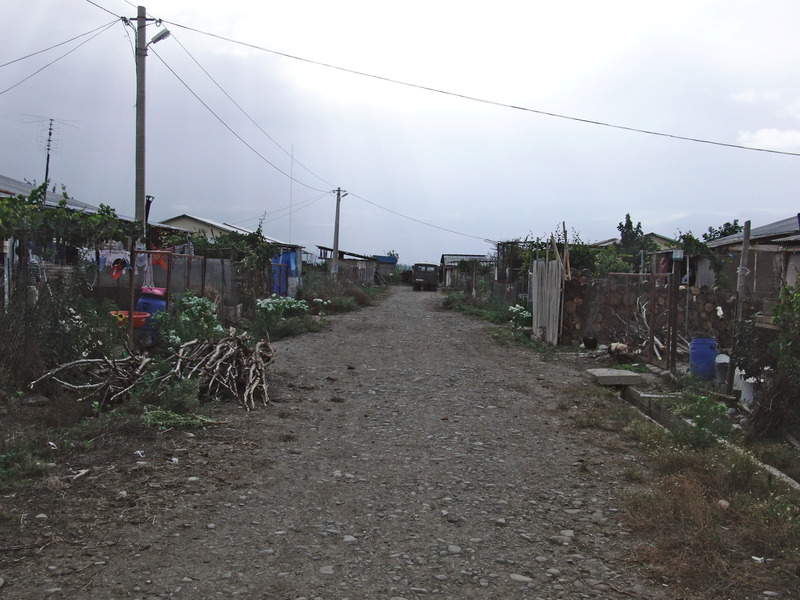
{"x":277,"y":308}
{"x":520,"y":316}
{"x":62,"y":325}
{"x":191,"y":318}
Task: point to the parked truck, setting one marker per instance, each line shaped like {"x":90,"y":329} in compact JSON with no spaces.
{"x":425,"y":276}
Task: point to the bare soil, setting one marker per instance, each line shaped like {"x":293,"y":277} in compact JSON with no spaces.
{"x":403,"y":455}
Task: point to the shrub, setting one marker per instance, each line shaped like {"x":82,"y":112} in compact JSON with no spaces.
{"x":520,"y":316}
{"x":62,"y":325}
{"x":191,"y":318}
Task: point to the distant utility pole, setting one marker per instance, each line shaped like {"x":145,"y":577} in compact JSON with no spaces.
{"x":335,"y":258}
{"x":49,"y":144}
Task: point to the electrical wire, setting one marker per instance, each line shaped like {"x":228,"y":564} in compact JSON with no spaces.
{"x":96,"y":32}
{"x":244,"y":112}
{"x":95,"y":4}
{"x":484,"y":100}
{"x":230,"y":129}
{"x":293,"y":209}
{"x":11,"y":62}
{"x":394,"y":212}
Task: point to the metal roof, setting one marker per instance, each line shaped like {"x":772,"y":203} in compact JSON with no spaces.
{"x":782,"y":228}
{"x":12,"y":187}
{"x":351,"y":254}
{"x":227,"y":227}
{"x":454,"y":259}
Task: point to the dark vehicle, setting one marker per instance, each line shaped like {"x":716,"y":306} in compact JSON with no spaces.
{"x":425,"y":276}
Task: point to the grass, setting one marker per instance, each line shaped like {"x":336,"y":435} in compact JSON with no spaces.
{"x":499,"y":314}
{"x":716,"y":525}
{"x":706,"y":509}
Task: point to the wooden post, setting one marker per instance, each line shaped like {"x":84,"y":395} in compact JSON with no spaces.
{"x":131,"y":296}
{"x":741,"y":282}
{"x":741,"y":273}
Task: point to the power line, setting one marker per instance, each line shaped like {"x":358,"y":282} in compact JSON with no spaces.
{"x":103,"y":8}
{"x":486,"y":101}
{"x":244,"y":112}
{"x":394,"y":212}
{"x":96,"y":32}
{"x":229,"y":128}
{"x":11,"y":62}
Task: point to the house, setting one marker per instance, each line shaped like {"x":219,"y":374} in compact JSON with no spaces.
{"x":211,"y":229}
{"x":661,"y":241}
{"x":287,"y":264}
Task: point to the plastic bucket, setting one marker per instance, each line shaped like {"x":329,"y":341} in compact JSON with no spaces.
{"x":150,"y":304}
{"x":702,"y":354}
{"x":722,"y":364}
{"x":139,"y":317}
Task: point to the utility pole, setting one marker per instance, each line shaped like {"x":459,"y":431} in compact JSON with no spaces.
{"x":47,"y":164}
{"x":141,"y":54}
{"x":335,"y":258}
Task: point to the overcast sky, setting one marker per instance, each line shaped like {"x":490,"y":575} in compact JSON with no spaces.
{"x":470,"y":151}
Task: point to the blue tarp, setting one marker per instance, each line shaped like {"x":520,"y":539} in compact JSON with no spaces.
{"x":284,"y":265}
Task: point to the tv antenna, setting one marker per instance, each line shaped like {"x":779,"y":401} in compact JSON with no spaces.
{"x":49,"y":140}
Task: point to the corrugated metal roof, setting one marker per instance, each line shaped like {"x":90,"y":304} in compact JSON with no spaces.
{"x":228,"y":227}
{"x":12,"y":187}
{"x":345,"y":253}
{"x":787,"y":240}
{"x":454,"y":259}
{"x":784,"y":227}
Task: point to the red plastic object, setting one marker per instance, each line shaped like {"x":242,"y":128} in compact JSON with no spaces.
{"x":154,"y":291}
{"x":139,"y":318}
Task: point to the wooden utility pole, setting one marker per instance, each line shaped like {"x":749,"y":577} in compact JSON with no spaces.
{"x":141,"y":54}
{"x":334,"y":266}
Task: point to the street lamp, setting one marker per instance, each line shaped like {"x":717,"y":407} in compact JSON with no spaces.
{"x":141,"y":54}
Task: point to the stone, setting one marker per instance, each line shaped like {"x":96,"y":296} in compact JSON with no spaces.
{"x":611,"y":377}
{"x":520,"y":578}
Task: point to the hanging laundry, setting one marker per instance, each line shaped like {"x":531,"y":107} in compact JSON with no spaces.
{"x":159,"y":259}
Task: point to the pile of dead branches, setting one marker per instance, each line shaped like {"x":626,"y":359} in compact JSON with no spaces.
{"x":229,"y":365}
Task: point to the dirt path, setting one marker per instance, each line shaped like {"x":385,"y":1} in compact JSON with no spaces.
{"x":404,"y":456}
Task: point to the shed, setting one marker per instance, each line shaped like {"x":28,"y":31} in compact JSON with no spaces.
{"x":386,"y":264}
{"x":452,"y":273}
{"x":773,"y":260}
{"x":356,"y":268}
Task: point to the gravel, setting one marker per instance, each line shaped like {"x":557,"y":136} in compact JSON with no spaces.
{"x":403,"y":455}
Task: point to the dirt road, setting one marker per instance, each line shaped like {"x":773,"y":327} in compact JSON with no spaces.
{"x":404,"y":455}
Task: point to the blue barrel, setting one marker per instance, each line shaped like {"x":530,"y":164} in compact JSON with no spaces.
{"x":151,"y":304}
{"x":702,"y":354}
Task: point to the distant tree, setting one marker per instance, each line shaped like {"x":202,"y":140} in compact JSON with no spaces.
{"x":695,"y":248}
{"x":393,"y":254}
{"x":727,"y":228}
{"x":632,"y":241}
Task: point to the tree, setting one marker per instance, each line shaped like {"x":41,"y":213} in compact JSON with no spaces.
{"x":726,"y":229}
{"x":632,"y":242}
